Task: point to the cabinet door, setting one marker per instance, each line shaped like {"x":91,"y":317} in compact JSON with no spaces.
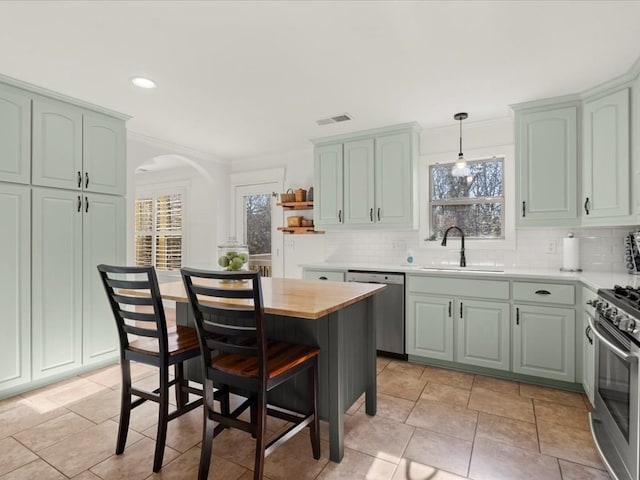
{"x":547,"y":149}
{"x":104,"y":157}
{"x":103,"y":241}
{"x":57,"y":281}
{"x":544,"y":342}
{"x":393,"y":180}
{"x":358,"y":183}
{"x":15,"y":135}
{"x":57,"y":144}
{"x":605,"y":158}
{"x":430,"y":327}
{"x":482,"y":335}
{"x":327,"y":208}
{"x":15,"y":285}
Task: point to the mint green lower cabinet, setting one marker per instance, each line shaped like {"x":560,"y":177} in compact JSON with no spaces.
{"x":71,"y":321}
{"x":544,"y":342}
{"x":103,"y":241}
{"x":430,"y":326}
{"x":57,"y":281}
{"x":15,"y":285}
{"x":482,"y":336}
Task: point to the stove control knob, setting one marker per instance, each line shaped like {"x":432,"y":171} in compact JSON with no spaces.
{"x":630,"y":326}
{"x":619,"y":321}
{"x":593,"y":303}
{"x":609,"y":313}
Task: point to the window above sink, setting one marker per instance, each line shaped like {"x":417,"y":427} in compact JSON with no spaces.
{"x":430,"y":239}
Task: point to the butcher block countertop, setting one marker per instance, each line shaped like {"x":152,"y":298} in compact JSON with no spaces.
{"x":293,"y":297}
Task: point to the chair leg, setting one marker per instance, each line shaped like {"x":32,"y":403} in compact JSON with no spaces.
{"x":208,"y":427}
{"x":182,"y":396}
{"x":261,"y":434}
{"x":314,"y":427}
{"x":163,"y":418}
{"x":125,"y":406}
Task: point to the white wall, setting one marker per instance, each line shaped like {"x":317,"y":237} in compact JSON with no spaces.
{"x":206,"y":201}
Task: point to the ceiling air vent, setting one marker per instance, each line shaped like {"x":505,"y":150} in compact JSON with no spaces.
{"x":338,"y":118}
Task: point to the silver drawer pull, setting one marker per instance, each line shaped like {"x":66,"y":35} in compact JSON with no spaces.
{"x":543,"y":292}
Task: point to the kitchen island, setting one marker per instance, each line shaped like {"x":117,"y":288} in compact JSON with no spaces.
{"x":338,"y":318}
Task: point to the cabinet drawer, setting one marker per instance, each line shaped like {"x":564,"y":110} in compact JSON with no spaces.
{"x":464,"y":287}
{"x":544,"y":293}
{"x":331,"y":275}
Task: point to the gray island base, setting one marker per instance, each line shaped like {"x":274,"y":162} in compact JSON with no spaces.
{"x":347,"y":341}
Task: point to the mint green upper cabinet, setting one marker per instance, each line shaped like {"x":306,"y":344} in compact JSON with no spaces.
{"x":15,"y":285}
{"x":77,"y":149}
{"x":393,"y":180}
{"x":605,"y":159}
{"x":57,"y":281}
{"x":57,"y":144}
{"x":377,"y":184}
{"x":359,"y":201}
{"x":15,"y":135}
{"x":327,"y":207}
{"x":483,"y":335}
{"x":104,"y":154}
{"x":103,"y":241}
{"x":544,"y":341}
{"x":547,"y":165}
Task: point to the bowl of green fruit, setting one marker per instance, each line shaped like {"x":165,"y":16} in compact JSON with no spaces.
{"x":233,"y":256}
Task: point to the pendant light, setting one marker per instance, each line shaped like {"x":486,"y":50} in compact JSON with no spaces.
{"x":460,"y":169}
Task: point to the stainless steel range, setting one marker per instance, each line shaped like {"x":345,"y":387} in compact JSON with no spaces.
{"x":614,"y":422}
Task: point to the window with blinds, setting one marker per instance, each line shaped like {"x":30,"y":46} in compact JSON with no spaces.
{"x":158,"y":231}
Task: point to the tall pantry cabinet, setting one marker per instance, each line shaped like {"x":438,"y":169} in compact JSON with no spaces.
{"x":62,"y":186}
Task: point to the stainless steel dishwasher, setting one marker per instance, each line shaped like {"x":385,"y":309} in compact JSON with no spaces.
{"x":388,"y":310}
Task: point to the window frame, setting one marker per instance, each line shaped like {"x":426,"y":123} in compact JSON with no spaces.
{"x":469,"y":200}
{"x":155,"y":191}
{"x":507,"y":153}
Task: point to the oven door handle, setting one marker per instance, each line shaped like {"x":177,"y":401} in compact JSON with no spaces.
{"x":618,"y":351}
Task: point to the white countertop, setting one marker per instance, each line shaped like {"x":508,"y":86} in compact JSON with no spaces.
{"x":592,"y":280}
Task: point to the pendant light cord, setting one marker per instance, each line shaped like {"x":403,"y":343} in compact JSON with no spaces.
{"x":460,"y":154}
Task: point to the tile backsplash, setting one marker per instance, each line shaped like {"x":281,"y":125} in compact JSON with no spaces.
{"x":601,"y":249}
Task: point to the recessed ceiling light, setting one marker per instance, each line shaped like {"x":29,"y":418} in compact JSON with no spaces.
{"x":143,"y":82}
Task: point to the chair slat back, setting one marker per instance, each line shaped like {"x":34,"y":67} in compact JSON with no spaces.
{"x":134,"y":297}
{"x":229,"y":312}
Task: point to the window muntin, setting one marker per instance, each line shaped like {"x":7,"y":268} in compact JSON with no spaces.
{"x":158,"y":231}
{"x":474,"y":203}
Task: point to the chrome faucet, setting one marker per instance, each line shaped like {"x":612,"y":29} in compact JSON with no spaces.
{"x":463,"y":261}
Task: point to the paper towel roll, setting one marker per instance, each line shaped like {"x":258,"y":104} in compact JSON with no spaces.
{"x":571,"y":254}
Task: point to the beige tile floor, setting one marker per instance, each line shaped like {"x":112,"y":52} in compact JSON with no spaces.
{"x":431,"y":424}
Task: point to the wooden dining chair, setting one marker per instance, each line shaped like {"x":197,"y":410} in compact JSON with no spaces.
{"x":230,"y":320}
{"x":135,"y":300}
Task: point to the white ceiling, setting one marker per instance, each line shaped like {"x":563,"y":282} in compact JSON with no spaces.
{"x":239,"y":79}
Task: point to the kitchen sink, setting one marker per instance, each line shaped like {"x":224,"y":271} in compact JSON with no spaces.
{"x":461,"y":269}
